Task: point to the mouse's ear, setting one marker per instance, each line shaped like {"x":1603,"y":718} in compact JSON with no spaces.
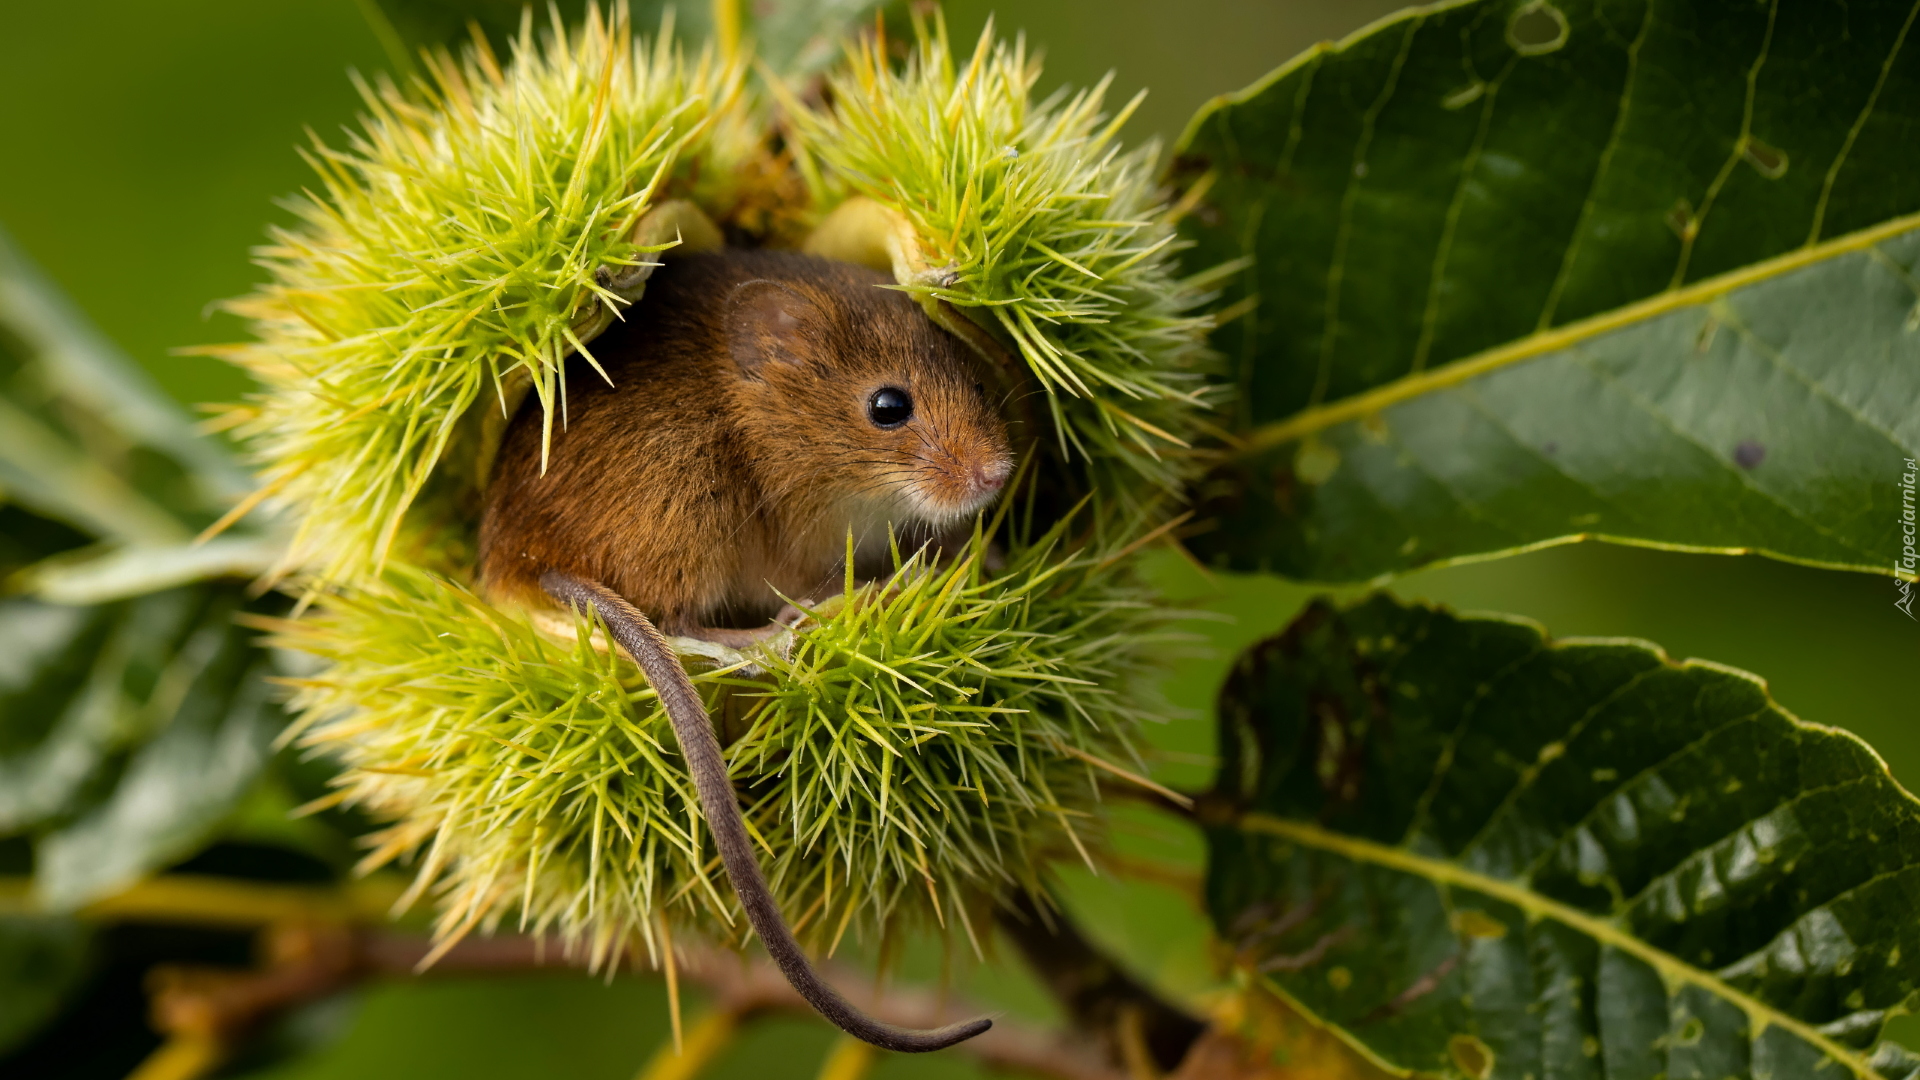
{"x":765,"y":325}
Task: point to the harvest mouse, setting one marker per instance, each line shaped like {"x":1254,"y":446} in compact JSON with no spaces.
{"x":762,"y":405}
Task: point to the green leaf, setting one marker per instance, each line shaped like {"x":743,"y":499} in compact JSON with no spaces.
{"x":1477,"y":852}
{"x":1529,"y":272}
{"x":127,"y":729}
{"x":200,"y":733}
{"x":41,"y":958}
{"x":98,"y":577}
{"x":103,"y":707}
{"x":72,"y":681}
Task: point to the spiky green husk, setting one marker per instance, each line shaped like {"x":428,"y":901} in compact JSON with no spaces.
{"x":1032,"y":218}
{"x":451,"y":251}
{"x":920,"y":751}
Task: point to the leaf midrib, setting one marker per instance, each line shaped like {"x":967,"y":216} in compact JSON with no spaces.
{"x":1604,"y":931}
{"x":1318,"y":418}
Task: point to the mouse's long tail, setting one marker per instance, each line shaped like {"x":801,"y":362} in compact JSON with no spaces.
{"x":691,"y":726}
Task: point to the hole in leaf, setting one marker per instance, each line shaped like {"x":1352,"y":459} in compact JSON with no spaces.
{"x":1681,"y":220}
{"x":1768,"y":161}
{"x":1316,"y":462}
{"x":1537,"y":28}
{"x":1464,"y":96}
{"x":1471,"y":1056}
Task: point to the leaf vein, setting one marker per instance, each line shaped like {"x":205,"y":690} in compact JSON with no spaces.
{"x":1592,"y":200}
{"x":1699,"y":219}
{"x":1853,"y":133}
{"x":1524,"y":782}
{"x":1653,"y":412}
{"x":1430,"y":317}
{"x":1602,"y":930}
{"x":1813,"y":385}
{"x":1336,"y":269}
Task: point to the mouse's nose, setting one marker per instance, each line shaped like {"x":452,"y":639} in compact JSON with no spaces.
{"x":991,"y":476}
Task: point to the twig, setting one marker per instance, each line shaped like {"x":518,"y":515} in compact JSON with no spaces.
{"x":1012,"y":1046}
{"x":212,"y":1007}
{"x":313,"y":951}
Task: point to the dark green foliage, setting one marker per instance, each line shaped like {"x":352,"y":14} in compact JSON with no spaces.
{"x":128,"y":728}
{"x":195,"y":718}
{"x":1776,"y":418}
{"x":1449,"y":184}
{"x":1456,"y":839}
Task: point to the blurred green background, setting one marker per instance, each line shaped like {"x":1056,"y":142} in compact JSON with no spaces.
{"x":145,"y":146}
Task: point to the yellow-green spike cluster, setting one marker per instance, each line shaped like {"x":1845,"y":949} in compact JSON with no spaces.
{"x":452,"y":250}
{"x":1032,"y":219}
{"x":918,"y":751}
{"x":912,"y":753}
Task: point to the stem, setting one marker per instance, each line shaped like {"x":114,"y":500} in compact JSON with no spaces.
{"x":300,"y":921}
{"x":204,"y":1012}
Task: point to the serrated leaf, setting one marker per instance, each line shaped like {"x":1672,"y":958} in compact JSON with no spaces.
{"x":1525,"y":272}
{"x":1481,"y":853}
{"x":41,"y":958}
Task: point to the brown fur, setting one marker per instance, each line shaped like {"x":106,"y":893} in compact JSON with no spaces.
{"x":730,"y":456}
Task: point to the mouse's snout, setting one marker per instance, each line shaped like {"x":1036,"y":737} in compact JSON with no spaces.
{"x":975,"y":475}
{"x":989,"y":477}
{"x":956,"y":469}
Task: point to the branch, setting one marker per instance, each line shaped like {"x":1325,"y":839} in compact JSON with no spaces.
{"x":197,"y":1006}
{"x":307,"y":935}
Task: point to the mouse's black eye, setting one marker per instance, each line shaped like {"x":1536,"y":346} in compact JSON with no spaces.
{"x":889,"y":407}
